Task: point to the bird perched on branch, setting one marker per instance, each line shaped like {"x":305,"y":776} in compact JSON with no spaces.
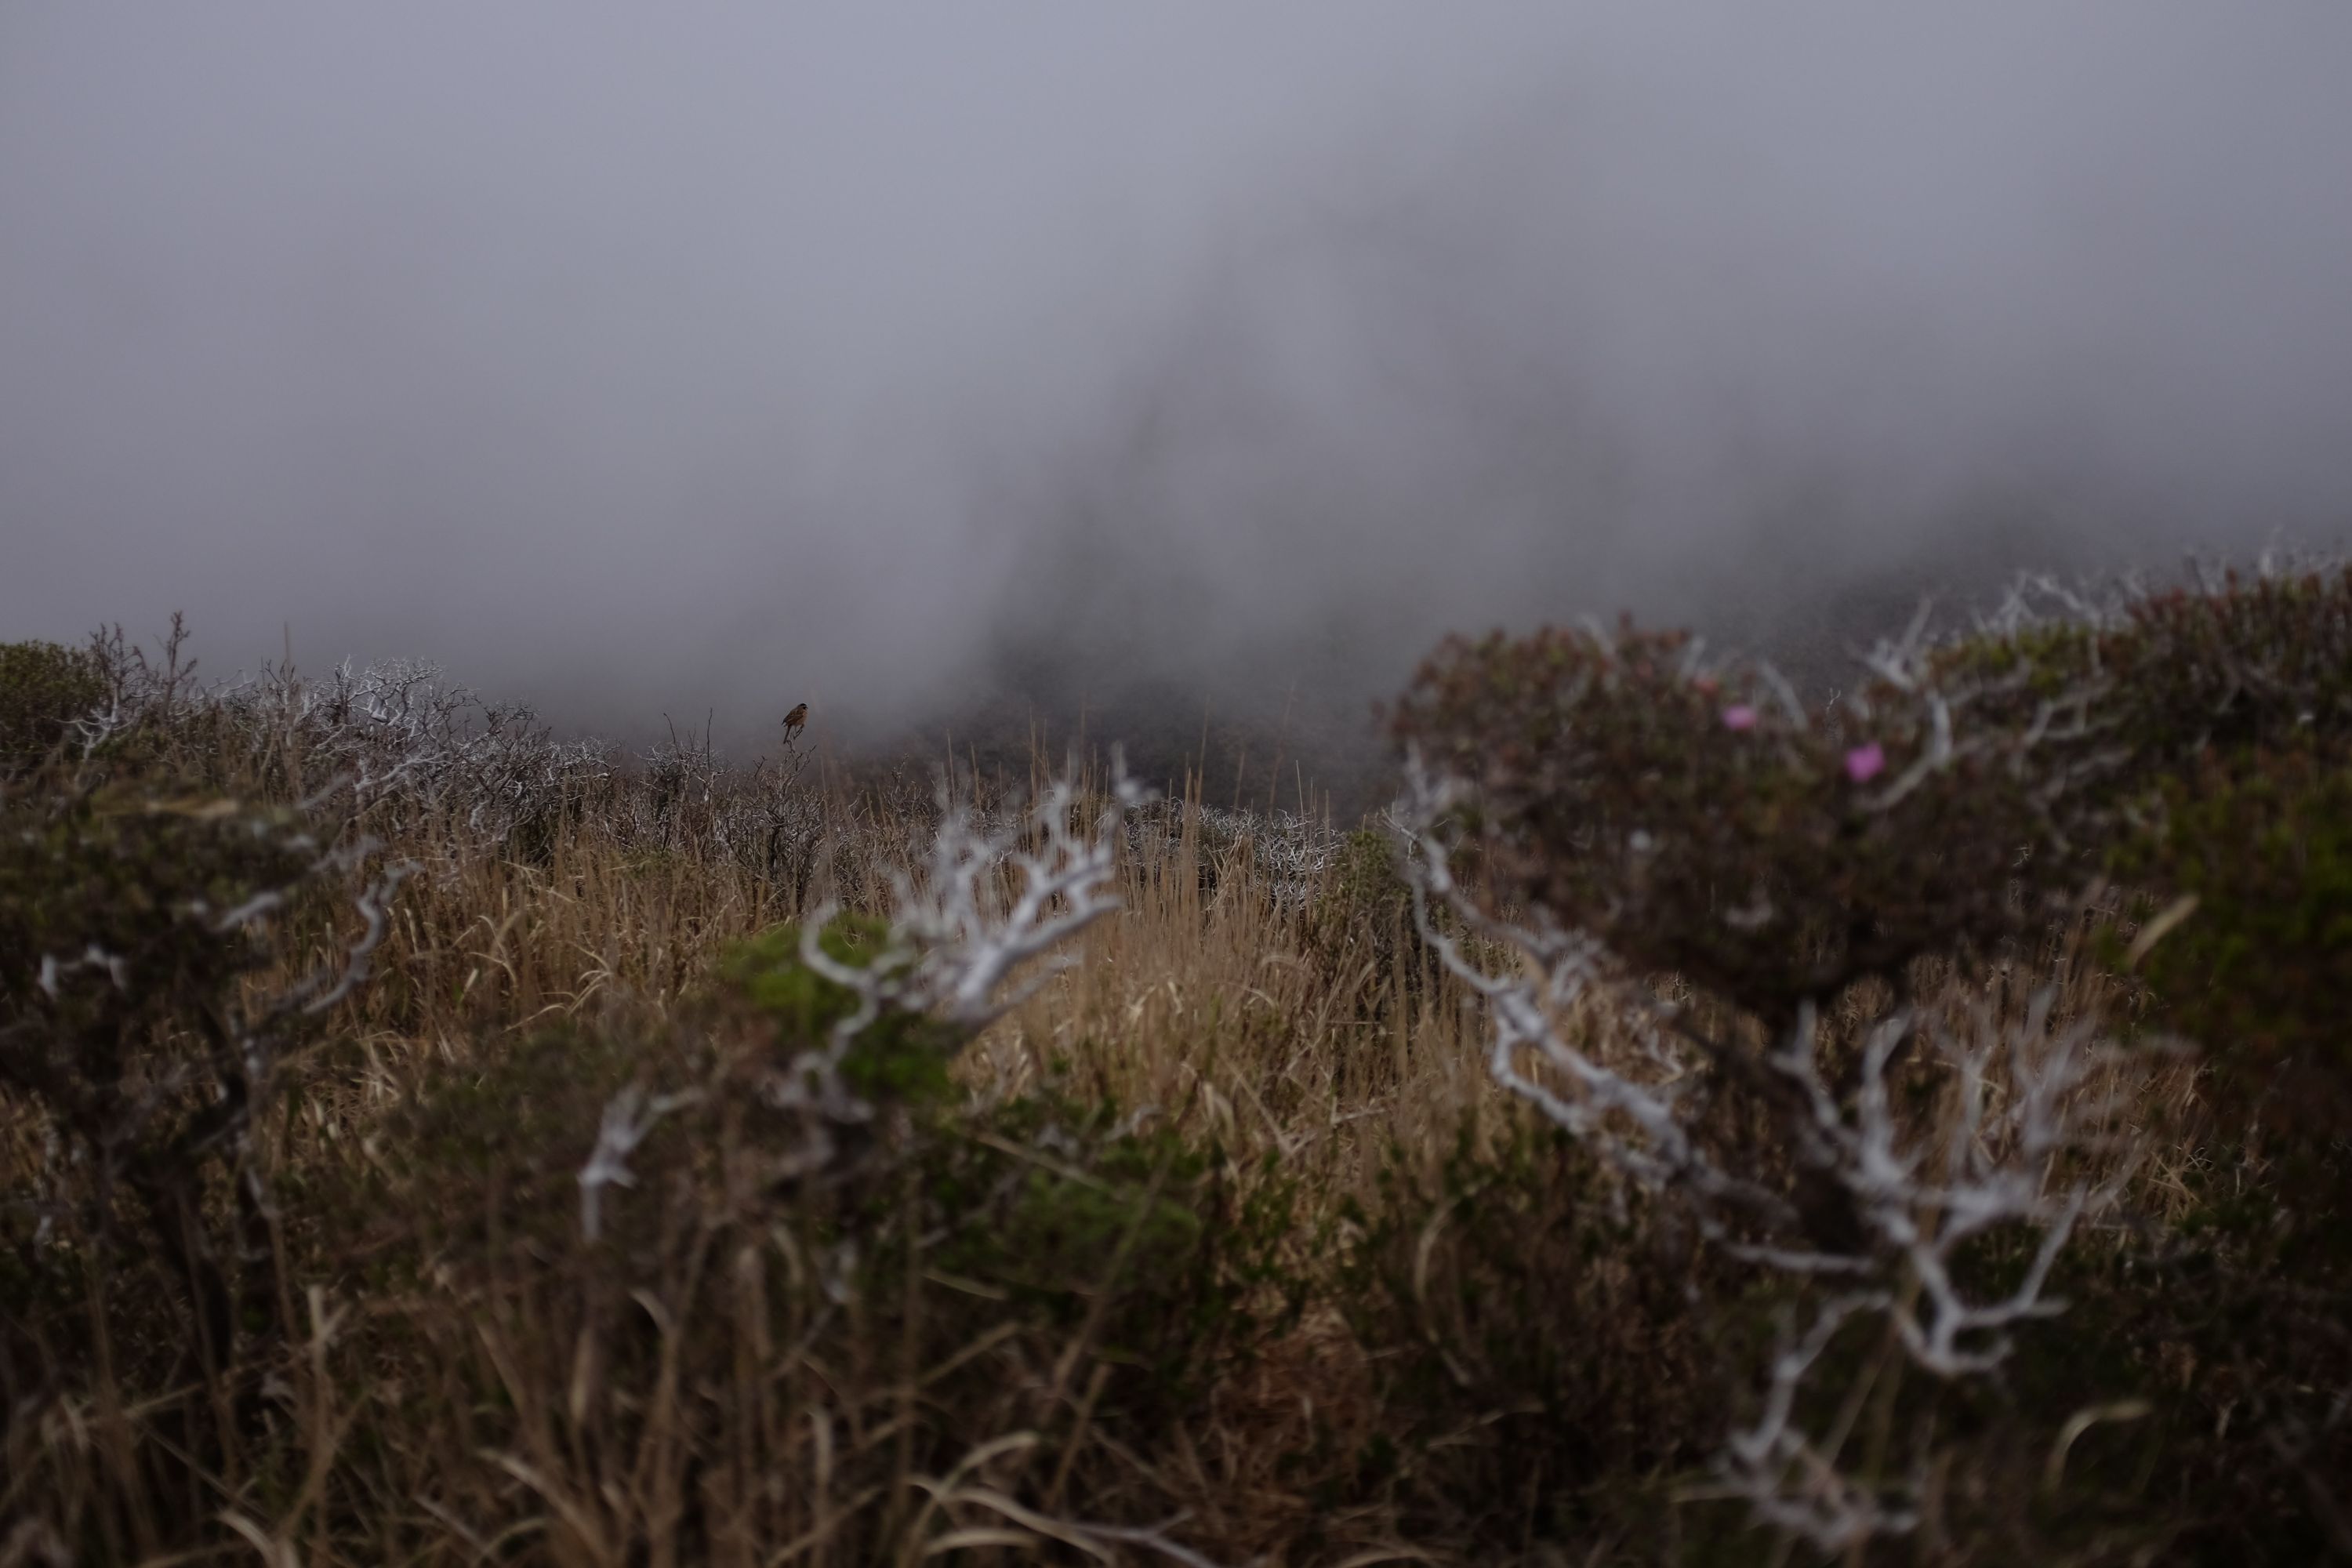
{"x":794,"y":721}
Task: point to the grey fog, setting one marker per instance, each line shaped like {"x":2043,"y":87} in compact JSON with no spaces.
{"x":698,"y":359}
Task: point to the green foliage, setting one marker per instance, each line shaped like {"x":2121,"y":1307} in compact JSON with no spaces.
{"x":2237,"y":664}
{"x":2216,"y":1349}
{"x":2262,"y":965}
{"x":1363,"y":885}
{"x":1083,"y":1221}
{"x":43,"y":689}
{"x":140,"y":876}
{"x":1062,"y":1226}
{"x":2254,"y":663}
{"x":1361,"y":923}
{"x":524,"y":1113}
{"x":900,"y":1057}
{"x":1513,"y":1292}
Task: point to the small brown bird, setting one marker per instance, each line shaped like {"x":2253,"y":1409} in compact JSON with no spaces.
{"x":794,"y":721}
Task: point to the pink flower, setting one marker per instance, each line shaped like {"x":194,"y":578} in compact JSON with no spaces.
{"x":1739,"y":717}
{"x":1864,"y":764}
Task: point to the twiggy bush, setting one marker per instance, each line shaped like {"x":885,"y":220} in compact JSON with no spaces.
{"x":424,"y":758}
{"x":1635,"y":813}
{"x":42,"y":689}
{"x":1704,"y":821}
{"x":159,"y":943}
{"x":1533,"y":1330}
{"x":1704,"y":824}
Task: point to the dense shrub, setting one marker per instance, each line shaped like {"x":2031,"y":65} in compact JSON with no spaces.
{"x":2234,"y":1324}
{"x":1574,"y":1361}
{"x":1535,"y":1335}
{"x":1703,"y":821}
{"x":2261,"y":962}
{"x":1699,"y":827}
{"x":900,"y":1058}
{"x":42,"y":689}
{"x":1359,"y":921}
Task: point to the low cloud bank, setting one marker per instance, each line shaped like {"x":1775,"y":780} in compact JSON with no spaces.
{"x":926,"y":364}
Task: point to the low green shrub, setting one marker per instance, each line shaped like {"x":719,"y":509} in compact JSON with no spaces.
{"x":2189,"y":1405}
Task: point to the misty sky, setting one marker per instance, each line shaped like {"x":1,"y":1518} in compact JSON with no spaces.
{"x":643,"y":357}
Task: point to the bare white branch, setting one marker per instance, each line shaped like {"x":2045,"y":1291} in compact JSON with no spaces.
{"x":629,"y":1117}
{"x":2020,"y":1110}
{"x":2016,"y":1110}
{"x":955,"y":945}
{"x":1636,"y":1126}
{"x":1783,"y":1475}
{"x":991,"y":903}
{"x":93,"y":956}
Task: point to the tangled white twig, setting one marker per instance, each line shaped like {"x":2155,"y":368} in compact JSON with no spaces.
{"x":628,"y":1117}
{"x":2019,"y":1104}
{"x":1784,"y":1475}
{"x":958,"y":943}
{"x":951,"y":950}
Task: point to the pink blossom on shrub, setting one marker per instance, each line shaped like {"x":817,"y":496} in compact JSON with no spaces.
{"x":1739,"y":716}
{"x":1864,"y":764}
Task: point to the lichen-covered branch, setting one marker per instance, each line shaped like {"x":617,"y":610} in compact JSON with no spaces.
{"x":990,"y":917}
{"x":2017,"y":1113}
